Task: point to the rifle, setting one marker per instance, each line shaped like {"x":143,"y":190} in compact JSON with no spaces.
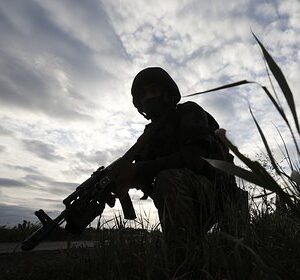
{"x":89,"y":199}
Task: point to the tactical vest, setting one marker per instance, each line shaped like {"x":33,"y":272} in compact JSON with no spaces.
{"x":172,"y":136}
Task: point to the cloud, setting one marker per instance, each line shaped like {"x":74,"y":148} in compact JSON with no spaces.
{"x":26,"y":169}
{"x":6,"y":182}
{"x":13,"y":214}
{"x":42,"y":150}
{"x":38,"y":185}
{"x":45,"y":184}
{"x":42,"y":70}
{"x":5,"y":132}
{"x":48,"y":200}
{"x":100,"y":157}
{"x":51,"y":203}
{"x":32,"y":74}
{"x":22,"y":87}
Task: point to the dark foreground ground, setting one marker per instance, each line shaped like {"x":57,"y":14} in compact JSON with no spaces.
{"x":54,"y":264}
{"x":115,"y":255}
{"x":146,"y":259}
{"x":100,"y":262}
{"x":269,"y":249}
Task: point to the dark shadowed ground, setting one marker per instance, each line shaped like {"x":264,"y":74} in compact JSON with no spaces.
{"x":13,"y":247}
{"x":40,"y":264}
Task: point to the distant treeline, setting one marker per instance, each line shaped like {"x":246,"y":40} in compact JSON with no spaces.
{"x":23,"y":230}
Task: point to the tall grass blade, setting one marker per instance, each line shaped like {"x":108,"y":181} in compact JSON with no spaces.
{"x":273,"y":162}
{"x":282,"y":114}
{"x":295,"y":176}
{"x":281,"y":82}
{"x":268,"y":181}
{"x":287,"y":154}
{"x":222,"y":87}
{"x":279,"y":109}
{"x":271,"y":83}
{"x":263,"y":195}
{"x":277,"y":106}
{"x":235,"y":170}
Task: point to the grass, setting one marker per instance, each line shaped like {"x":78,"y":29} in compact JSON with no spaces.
{"x":287,"y":188}
{"x":269,"y":250}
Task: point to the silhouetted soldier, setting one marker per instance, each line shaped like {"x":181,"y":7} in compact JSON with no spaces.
{"x":188,"y":193}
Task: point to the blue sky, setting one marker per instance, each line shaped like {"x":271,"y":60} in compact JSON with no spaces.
{"x":66,"y":69}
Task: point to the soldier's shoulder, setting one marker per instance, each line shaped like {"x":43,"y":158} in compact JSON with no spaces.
{"x":193,"y":109}
{"x":189,"y":106}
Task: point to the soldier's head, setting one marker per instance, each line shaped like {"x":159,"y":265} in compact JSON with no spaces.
{"x":154,"y":93}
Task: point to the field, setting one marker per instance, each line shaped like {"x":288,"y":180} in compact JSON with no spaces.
{"x":269,"y":250}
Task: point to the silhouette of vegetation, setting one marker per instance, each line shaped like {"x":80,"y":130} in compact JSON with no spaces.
{"x":270,"y":249}
{"x":287,"y":188}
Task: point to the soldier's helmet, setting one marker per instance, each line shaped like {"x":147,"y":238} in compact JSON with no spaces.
{"x":158,"y":76}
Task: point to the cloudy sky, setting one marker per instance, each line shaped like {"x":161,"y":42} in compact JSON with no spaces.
{"x":66,"y":68}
